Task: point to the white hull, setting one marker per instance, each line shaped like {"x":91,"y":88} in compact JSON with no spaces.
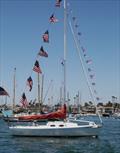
{"x":69,"y":130}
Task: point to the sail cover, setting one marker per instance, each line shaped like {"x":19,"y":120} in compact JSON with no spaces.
{"x":59,"y":114}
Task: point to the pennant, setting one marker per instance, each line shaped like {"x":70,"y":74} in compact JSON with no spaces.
{"x":62,"y":63}
{"x":74,"y":18}
{"x":46,"y":37}
{"x":42,"y":52}
{"x":97,"y":98}
{"x":92,"y":76}
{"x":89,"y":61}
{"x":93,"y":83}
{"x":79,"y":33}
{"x":36,"y":67}
{"x":95,"y":91}
{"x":53,"y":19}
{"x":58,"y":2}
{"x":76,"y":26}
{"x":24,"y":101}
{"x":3,"y":92}
{"x":89,"y":70}
{"x":30,"y":83}
{"x":83,"y":49}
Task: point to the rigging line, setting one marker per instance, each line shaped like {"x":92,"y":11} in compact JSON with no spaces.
{"x":83,"y":68}
{"x":47,"y":90}
{"x":78,"y":39}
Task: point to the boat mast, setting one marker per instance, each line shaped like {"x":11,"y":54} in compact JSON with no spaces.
{"x":42,"y":89}
{"x":39,"y":92}
{"x":14,"y":89}
{"x":65,"y":47}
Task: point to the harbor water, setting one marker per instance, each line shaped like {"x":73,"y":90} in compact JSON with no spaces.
{"x":107,"y":142}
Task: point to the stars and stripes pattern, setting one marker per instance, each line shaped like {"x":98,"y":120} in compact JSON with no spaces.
{"x":30,"y":83}
{"x":24,"y":101}
{"x":42,"y":52}
{"x":53,"y":19}
{"x":3,"y":92}
{"x":58,"y":3}
{"x":46,"y":36}
{"x":36,"y":67}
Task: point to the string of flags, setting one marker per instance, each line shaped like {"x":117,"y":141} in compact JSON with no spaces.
{"x":41,"y":53}
{"x":86,"y":58}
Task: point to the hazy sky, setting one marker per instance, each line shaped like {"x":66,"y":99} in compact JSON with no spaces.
{"x":22,"y":23}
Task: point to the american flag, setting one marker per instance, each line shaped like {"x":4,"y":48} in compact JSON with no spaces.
{"x":58,"y":3}
{"x":3,"y":92}
{"x":46,"y":36}
{"x":24,"y":101}
{"x":36,"y":67}
{"x":30,"y":83}
{"x":42,"y":52}
{"x":53,"y":19}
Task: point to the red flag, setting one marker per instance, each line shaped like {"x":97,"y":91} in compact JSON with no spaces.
{"x":42,"y":52}
{"x":24,"y":101}
{"x":46,"y":37}
{"x":30,"y":83}
{"x":58,"y":3}
{"x":36,"y":67}
{"x":3,"y":92}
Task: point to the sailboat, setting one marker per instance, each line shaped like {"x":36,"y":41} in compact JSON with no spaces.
{"x":65,"y":127}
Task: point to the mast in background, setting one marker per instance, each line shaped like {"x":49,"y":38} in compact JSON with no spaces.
{"x":14,"y":88}
{"x":65,"y":47}
{"x":39,"y":93}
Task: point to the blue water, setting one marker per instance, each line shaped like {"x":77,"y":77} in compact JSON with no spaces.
{"x":107,"y":142}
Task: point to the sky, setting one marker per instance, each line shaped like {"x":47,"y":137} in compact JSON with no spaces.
{"x":22,"y":24}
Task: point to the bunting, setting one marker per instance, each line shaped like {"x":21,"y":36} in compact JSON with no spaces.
{"x":42,"y":52}
{"x":87,"y":60}
{"x":36,"y":67}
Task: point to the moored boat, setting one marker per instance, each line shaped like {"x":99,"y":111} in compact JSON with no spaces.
{"x":56,"y":129}
{"x":65,"y":127}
